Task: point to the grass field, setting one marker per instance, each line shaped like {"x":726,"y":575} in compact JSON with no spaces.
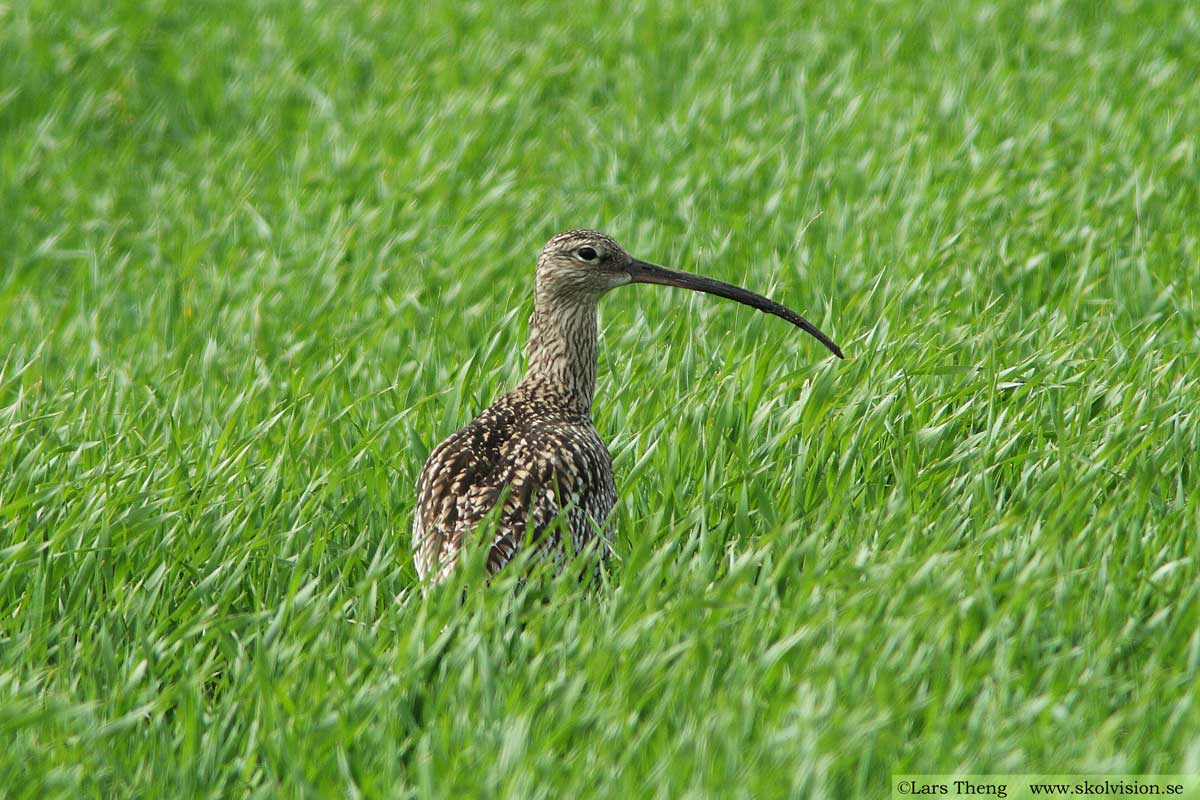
{"x":257,"y":259}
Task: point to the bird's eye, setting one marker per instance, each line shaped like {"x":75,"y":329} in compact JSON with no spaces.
{"x":587,"y":253}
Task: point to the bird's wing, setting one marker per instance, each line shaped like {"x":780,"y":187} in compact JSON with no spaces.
{"x":535,"y":474}
{"x":458,"y":486}
{"x":564,"y":477}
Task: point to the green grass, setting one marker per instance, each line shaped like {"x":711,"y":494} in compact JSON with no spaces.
{"x":257,"y":259}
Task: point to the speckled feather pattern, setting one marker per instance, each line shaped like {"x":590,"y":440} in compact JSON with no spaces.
{"x":536,"y":457}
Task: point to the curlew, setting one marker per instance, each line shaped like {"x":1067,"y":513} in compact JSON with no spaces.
{"x":532,"y":462}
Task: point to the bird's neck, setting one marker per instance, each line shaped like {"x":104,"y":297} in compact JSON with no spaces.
{"x":562,"y":352}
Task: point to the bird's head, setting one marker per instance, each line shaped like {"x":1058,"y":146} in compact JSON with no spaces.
{"x":580,"y":266}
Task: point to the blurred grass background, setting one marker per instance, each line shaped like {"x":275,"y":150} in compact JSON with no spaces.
{"x":256,"y":259}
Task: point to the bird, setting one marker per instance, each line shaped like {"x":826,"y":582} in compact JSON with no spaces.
{"x":532,"y":464}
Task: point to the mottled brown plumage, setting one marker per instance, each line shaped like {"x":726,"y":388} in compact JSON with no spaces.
{"x":533,"y":456}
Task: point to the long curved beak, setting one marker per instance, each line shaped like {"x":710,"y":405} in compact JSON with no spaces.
{"x":645,"y":272}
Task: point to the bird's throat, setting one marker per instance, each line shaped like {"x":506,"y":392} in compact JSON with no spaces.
{"x":562,"y":352}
